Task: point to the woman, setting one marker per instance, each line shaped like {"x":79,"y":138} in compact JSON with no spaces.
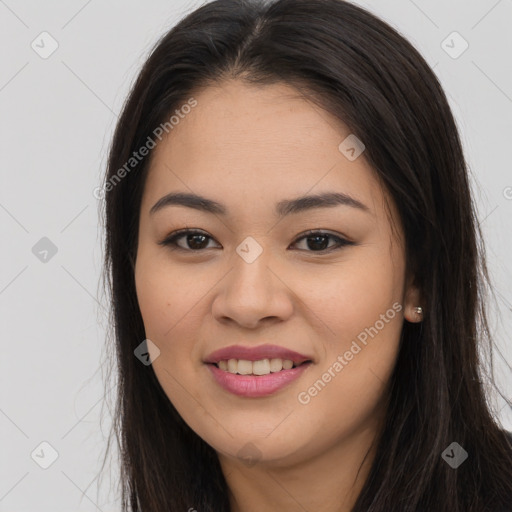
{"x":293,"y":257}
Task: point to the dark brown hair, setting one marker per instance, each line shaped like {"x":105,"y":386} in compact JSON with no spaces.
{"x":366,"y":74}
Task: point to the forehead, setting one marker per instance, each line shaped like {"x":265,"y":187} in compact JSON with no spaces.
{"x":257,"y":142}
{"x":233,"y":119}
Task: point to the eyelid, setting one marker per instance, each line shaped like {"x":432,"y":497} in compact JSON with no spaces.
{"x":342,"y":240}
{"x":170,"y":239}
{"x":320,"y":231}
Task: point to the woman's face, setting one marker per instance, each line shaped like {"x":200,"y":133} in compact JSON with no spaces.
{"x":252,"y":276}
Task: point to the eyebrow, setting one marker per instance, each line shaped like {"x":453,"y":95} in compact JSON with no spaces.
{"x":282,"y":208}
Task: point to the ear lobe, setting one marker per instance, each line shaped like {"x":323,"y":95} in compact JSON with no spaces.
{"x":413,"y":305}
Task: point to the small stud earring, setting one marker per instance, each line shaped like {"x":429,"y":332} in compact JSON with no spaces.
{"x":419,"y":310}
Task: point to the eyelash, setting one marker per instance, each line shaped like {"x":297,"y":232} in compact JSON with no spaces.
{"x":171,"y":240}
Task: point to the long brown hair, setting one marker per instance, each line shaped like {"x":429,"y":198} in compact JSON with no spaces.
{"x":362,"y":71}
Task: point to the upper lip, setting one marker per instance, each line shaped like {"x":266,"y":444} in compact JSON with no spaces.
{"x":256,"y":354}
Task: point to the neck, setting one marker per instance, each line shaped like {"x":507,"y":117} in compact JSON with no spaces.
{"x":329,"y":481}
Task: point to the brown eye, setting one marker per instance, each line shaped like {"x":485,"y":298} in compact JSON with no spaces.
{"x":193,"y":240}
{"x":318,"y":241}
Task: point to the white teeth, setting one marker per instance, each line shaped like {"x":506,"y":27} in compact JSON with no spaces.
{"x":276,"y":365}
{"x":287,"y":364}
{"x":260,"y":367}
{"x":244,"y":367}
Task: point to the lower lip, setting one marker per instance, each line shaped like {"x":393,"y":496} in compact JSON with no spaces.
{"x":254,"y":386}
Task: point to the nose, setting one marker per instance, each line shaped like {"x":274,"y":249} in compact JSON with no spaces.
{"x":253,"y":294}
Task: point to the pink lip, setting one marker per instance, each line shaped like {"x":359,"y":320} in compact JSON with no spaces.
{"x":256,"y":353}
{"x":254,"y":386}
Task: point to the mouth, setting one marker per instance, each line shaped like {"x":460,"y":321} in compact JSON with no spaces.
{"x":255,"y":379}
{"x":257,"y":368}
{"x":256,"y":371}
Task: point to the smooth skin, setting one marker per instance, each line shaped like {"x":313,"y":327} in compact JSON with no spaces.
{"x":249,"y":148}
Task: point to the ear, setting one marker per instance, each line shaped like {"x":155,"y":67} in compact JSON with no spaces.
{"x":413,"y":300}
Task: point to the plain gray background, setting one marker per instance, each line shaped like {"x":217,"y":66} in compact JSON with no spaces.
{"x":57,"y":117}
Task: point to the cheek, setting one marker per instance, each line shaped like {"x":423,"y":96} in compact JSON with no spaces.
{"x":165,"y":296}
{"x":351,"y":297}
{"x":171,"y":313}
{"x":153,"y":299}
{"x":349,"y":385}
{"x":173,"y":307}
{"x":361,"y":307}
